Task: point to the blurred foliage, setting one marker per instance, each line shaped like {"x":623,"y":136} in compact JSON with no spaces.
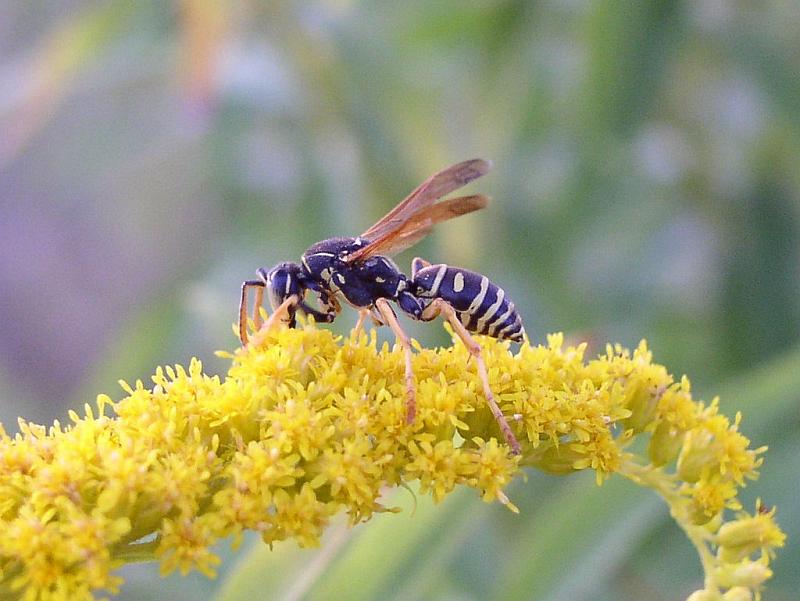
{"x":153,"y":155}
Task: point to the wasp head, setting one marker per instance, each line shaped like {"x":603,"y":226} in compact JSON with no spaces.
{"x":283,"y":281}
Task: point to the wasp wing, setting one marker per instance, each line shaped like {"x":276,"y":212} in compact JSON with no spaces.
{"x":432,"y":189}
{"x":418,"y":226}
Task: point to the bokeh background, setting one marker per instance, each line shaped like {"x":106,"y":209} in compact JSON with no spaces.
{"x":646,"y":185}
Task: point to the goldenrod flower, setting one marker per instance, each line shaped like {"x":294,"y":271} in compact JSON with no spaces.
{"x":748,"y":534}
{"x":307,"y":425}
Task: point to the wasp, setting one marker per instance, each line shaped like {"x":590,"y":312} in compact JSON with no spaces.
{"x":360,"y":271}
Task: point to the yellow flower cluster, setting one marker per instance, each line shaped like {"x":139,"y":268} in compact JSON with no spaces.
{"x":307,"y":425}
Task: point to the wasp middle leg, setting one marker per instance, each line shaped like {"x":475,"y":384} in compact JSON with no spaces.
{"x":363,"y":313}
{"x":437,"y":307}
{"x":389,"y":317}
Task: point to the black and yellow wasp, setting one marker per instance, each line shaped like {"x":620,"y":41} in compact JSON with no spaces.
{"x":360,"y":271}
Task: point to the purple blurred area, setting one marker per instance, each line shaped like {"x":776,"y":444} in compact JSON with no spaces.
{"x":74,"y":265}
{"x":102,"y":204}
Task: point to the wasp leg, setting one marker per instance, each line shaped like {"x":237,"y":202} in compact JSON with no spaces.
{"x":439,"y":306}
{"x":362,"y":315}
{"x":258,"y":301}
{"x":282,"y":311}
{"x":389,"y":317}
{"x":319,"y":316}
{"x":327,"y":300}
{"x":259,"y":285}
{"x":373,"y":314}
{"x":328,"y":303}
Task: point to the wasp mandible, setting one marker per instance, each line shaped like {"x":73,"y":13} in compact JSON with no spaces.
{"x":360,"y":270}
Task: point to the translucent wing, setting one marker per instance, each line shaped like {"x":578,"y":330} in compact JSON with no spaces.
{"x":432,"y":189}
{"x":417,"y":226}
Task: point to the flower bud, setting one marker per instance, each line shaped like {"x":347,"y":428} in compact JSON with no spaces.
{"x":750,"y":574}
{"x":641,"y":402}
{"x":704,"y":595}
{"x":698,"y":514}
{"x":743,"y":537}
{"x":665,"y":443}
{"x":556,"y":460}
{"x":698,"y":453}
{"x":738,"y":593}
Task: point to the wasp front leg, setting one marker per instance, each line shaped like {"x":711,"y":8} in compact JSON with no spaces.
{"x":319,"y":316}
{"x":328,"y":303}
{"x":282,"y":313}
{"x":437,"y":307}
{"x":389,"y":317}
{"x":259,"y":299}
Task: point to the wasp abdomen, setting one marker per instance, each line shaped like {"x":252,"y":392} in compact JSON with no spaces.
{"x":481,"y":305}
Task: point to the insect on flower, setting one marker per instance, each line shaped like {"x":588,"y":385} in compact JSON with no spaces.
{"x":360,"y":270}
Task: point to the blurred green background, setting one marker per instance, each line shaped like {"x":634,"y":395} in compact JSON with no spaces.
{"x":646,"y":185}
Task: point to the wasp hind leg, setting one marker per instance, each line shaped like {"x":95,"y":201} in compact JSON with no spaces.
{"x":438,"y":307}
{"x":389,"y":317}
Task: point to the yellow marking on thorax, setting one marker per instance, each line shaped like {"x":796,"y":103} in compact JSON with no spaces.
{"x":458,"y":282}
